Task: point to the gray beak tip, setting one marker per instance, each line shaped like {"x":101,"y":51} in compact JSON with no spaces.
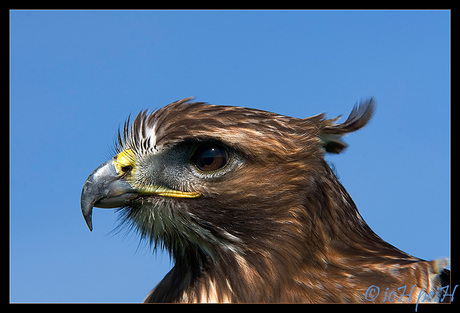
{"x":87,"y":202}
{"x":89,"y":223}
{"x":87,"y":214}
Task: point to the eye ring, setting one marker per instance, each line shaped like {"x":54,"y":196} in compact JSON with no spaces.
{"x":210,"y":158}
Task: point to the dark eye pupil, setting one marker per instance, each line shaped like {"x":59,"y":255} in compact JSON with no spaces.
{"x":208,"y":158}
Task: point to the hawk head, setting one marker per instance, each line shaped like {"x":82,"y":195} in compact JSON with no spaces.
{"x":241,"y":198}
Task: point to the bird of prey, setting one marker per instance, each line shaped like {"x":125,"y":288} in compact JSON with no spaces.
{"x":250,"y":211}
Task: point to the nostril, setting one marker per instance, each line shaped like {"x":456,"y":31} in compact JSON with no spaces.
{"x":126,"y":169}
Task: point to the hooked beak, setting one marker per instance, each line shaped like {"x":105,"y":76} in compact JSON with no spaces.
{"x":104,"y":188}
{"x":110,"y":186}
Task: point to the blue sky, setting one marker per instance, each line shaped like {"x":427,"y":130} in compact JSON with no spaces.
{"x":75,"y":76}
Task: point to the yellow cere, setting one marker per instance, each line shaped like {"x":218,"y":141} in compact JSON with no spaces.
{"x":127,"y":158}
{"x":123,"y":159}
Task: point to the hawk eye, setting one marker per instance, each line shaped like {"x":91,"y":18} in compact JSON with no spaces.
{"x":209,"y":157}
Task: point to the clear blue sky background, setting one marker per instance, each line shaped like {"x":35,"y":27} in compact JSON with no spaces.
{"x":77,"y":75}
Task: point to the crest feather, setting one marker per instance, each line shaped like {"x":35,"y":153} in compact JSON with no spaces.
{"x":331,"y":133}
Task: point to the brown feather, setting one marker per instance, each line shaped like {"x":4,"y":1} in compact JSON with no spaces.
{"x":280,"y":227}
